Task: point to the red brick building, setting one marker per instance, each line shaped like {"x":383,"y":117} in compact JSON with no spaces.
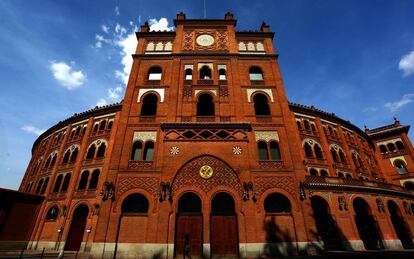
{"x":205,"y":149}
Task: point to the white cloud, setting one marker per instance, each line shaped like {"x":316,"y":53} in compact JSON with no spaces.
{"x":101,"y":102}
{"x":115,"y":93}
{"x":120,"y":30}
{"x":33,"y":130}
{"x":128,"y":45}
{"x":117,"y":10}
{"x":66,"y":76}
{"x":407,"y":64}
{"x":406,"y":99}
{"x":160,"y":25}
{"x":370,"y":109}
{"x":105,"y":28}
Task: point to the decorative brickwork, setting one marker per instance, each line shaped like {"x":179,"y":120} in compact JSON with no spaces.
{"x":287,"y":183}
{"x":223,"y":175}
{"x":150,"y":184}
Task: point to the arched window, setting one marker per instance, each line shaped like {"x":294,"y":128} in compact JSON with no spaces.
{"x":91,"y":152}
{"x":110,"y":124}
{"x":400,"y":145}
{"x":324,"y":173}
{"x":66,"y":182}
{"x":77,"y":131}
{"x":222,"y":74}
{"x":44,"y":186}
{"x":135,"y":203}
{"x":188,"y":74}
{"x":261,"y":105}
{"x":39,"y":186}
{"x":66,"y":157}
{"x":102,"y":125}
{"x":306,"y":124}
{"x":149,"y":105}
{"x":277,"y":203}
{"x":148,"y":151}
{"x":74,"y":155}
{"x":342,"y":156}
{"x":341,"y":175}
{"x":205,"y":72}
{"x":222,"y":204}
{"x":383,"y":149}
{"x":348,"y":176}
{"x":53,"y":160}
{"x":189,"y":203}
{"x":313,"y":172}
{"x":47,"y":164}
{"x":355,"y":160}
{"x":263,"y":153}
{"x":334,"y":155}
{"x":313,"y":127}
{"x":391,"y":147}
{"x":400,"y":165}
{"x":330,"y":130}
{"x":58,"y":183}
{"x":154,"y":73}
{"x":101,"y":151}
{"x":94,"y":180}
{"x":136,"y":151}
{"x":95,"y":127}
{"x":83,"y":180}
{"x":318,"y":151}
{"x":308,"y":150}
{"x":274,"y":150}
{"x":52,"y":213}
{"x":299,"y":124}
{"x":409,"y":185}
{"x":360,"y":161}
{"x":205,"y":105}
{"x":255,"y":74}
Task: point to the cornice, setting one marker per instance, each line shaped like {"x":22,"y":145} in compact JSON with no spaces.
{"x":311,"y":110}
{"x":98,"y":110}
{"x":197,"y":22}
{"x":353,"y":185}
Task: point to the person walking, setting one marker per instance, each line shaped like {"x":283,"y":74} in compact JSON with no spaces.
{"x":187,"y":246}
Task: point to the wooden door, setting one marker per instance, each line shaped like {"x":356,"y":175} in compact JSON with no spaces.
{"x":224,"y":241}
{"x":191,"y":225}
{"x":75,"y":235}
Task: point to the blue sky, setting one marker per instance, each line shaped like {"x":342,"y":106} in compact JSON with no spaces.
{"x":353,"y":58}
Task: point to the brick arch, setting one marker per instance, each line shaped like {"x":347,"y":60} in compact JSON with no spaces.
{"x":223,"y":175}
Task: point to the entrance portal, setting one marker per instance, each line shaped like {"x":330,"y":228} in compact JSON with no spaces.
{"x":223,"y":233}
{"x":325,"y":224}
{"x":400,"y":226}
{"x":367,"y":226}
{"x":77,"y":228}
{"x":189,"y":225}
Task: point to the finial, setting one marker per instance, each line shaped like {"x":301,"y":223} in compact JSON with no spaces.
{"x":264,"y":27}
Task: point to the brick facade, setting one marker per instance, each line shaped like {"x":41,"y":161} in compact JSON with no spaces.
{"x":210,"y":133}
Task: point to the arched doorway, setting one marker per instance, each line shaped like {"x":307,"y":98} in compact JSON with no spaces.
{"x":400,"y":226}
{"x":189,"y":225}
{"x":223,"y":226}
{"x":77,"y":228}
{"x":367,"y":226}
{"x":325,"y":224}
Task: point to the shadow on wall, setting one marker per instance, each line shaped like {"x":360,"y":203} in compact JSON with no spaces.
{"x":280,"y":242}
